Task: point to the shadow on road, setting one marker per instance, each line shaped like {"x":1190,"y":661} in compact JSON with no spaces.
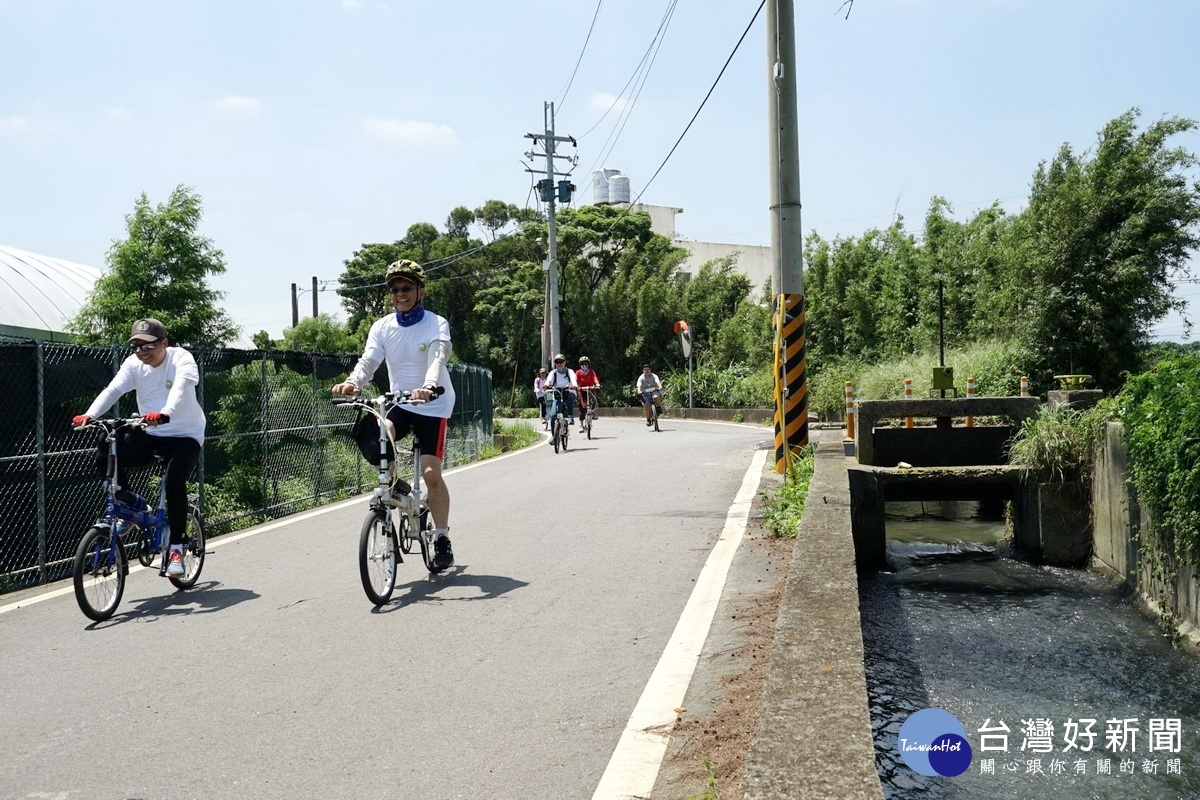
{"x":427,"y":589}
{"x":203,"y":598}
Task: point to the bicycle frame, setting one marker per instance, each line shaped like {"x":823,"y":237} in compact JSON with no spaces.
{"x":411,"y":520}
{"x":153,"y":523}
{"x":101,"y":560}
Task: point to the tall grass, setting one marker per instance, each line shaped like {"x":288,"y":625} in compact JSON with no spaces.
{"x":996,"y":366}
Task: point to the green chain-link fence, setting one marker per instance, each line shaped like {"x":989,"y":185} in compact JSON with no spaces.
{"x":276,"y":444}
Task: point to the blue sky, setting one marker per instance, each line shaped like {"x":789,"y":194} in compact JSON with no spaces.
{"x":310,"y":127}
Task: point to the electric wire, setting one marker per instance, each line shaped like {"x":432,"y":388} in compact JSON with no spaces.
{"x":648,"y":61}
{"x":562,"y":98}
{"x":753,"y":19}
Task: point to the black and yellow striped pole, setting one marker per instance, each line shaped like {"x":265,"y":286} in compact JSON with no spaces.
{"x":787,"y":238}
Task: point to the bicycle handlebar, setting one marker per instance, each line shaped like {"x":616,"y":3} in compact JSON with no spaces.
{"x":108,"y":425}
{"x":398,"y":398}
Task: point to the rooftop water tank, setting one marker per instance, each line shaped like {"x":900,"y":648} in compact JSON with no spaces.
{"x":600,"y":185}
{"x":618,"y":189}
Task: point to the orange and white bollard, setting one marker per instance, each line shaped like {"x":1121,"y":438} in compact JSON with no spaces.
{"x":1024,"y":386}
{"x":908,"y":421}
{"x":849,"y":411}
{"x":970,"y":394}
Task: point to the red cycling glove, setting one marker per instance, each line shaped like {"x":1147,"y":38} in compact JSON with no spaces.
{"x":156,"y":418}
{"x":79,"y":420}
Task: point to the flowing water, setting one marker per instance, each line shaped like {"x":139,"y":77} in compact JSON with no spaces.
{"x":958,"y":624}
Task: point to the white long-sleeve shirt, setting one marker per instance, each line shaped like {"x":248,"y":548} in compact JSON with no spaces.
{"x":412,"y":357}
{"x":170,"y":388}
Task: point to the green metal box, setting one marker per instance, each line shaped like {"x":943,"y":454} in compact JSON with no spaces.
{"x":943,"y":378}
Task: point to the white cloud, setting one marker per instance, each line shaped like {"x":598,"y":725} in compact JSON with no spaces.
{"x":602,"y":101}
{"x":116,"y":112}
{"x":351,"y":4}
{"x":14,"y":123}
{"x":235,"y":102}
{"x":409,"y":131}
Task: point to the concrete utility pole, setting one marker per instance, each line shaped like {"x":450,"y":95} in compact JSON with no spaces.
{"x":546,"y":189}
{"x":787,"y":237}
{"x":295,"y":307}
{"x":314,"y":296}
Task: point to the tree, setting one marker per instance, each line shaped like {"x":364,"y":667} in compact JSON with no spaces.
{"x":320,"y":334}
{"x":159,"y":271}
{"x":1103,"y":239}
{"x":262,"y":340}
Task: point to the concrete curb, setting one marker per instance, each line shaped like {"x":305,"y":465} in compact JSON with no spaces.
{"x":814,"y":727}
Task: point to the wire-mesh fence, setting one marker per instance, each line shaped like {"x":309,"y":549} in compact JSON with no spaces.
{"x":275,"y":443}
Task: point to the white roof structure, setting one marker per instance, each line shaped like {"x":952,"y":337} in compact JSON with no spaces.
{"x":39,"y":294}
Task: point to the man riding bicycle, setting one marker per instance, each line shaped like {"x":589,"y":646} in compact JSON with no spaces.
{"x":649,"y":389}
{"x":585,"y":377}
{"x":165,"y":380}
{"x":415,"y":344}
{"x":561,"y":378}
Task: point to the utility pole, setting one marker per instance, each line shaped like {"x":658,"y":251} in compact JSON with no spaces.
{"x":295,"y":307}
{"x":787,"y":237}
{"x":547,"y":190}
{"x":314,"y":296}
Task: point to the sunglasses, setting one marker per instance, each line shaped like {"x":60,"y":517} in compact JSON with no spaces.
{"x":560,"y":362}
{"x":147,"y":347}
{"x":403,"y":288}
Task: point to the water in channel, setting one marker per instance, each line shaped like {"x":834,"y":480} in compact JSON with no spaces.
{"x":958,"y":624}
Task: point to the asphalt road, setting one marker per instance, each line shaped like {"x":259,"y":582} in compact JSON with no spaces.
{"x":511,"y":676}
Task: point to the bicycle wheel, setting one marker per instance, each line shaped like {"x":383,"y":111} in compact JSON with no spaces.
{"x":193,"y":551}
{"x":566,"y":433}
{"x":654,"y":414}
{"x":557,"y":434}
{"x":377,"y":558}
{"x":588,"y":424}
{"x":99,"y":574}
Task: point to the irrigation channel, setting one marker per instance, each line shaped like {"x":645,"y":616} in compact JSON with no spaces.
{"x":956,"y":623}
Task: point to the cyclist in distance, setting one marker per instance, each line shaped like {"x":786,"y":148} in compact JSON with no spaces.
{"x":165,"y":380}
{"x":649,"y":389}
{"x":561,"y":378}
{"x":415,"y":344}
{"x":585,"y":376}
{"x":539,"y":391}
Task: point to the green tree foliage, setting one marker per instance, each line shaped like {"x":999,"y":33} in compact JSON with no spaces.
{"x":160,"y":270}
{"x":320,"y":334}
{"x":262,"y":340}
{"x":1103,"y":237}
{"x":1078,"y":278}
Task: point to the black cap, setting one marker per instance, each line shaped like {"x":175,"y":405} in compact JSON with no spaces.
{"x":147,"y":330}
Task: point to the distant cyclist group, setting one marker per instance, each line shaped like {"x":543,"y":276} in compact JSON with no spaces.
{"x":415,"y":345}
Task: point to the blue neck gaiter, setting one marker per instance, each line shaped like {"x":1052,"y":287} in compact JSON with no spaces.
{"x":407,"y":318}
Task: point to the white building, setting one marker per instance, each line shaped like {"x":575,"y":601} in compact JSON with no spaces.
{"x":39,"y":294}
{"x":610,"y":187}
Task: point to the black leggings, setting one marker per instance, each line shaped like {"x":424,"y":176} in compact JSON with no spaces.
{"x":136,"y":448}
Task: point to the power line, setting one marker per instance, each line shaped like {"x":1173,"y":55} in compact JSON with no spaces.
{"x":579,"y":60}
{"x":702,"y":102}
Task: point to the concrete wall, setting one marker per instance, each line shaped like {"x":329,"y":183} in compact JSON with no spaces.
{"x":1118,"y":520}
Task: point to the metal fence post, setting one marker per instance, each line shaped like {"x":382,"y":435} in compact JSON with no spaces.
{"x":316,"y":451}
{"x":265,"y":425}
{"x":200,"y":398}
{"x":41,"y":459}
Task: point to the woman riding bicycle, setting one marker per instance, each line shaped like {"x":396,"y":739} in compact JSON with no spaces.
{"x":165,"y":380}
{"x":588,"y":382}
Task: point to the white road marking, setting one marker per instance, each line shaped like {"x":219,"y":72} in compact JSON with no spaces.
{"x":634,"y":765}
